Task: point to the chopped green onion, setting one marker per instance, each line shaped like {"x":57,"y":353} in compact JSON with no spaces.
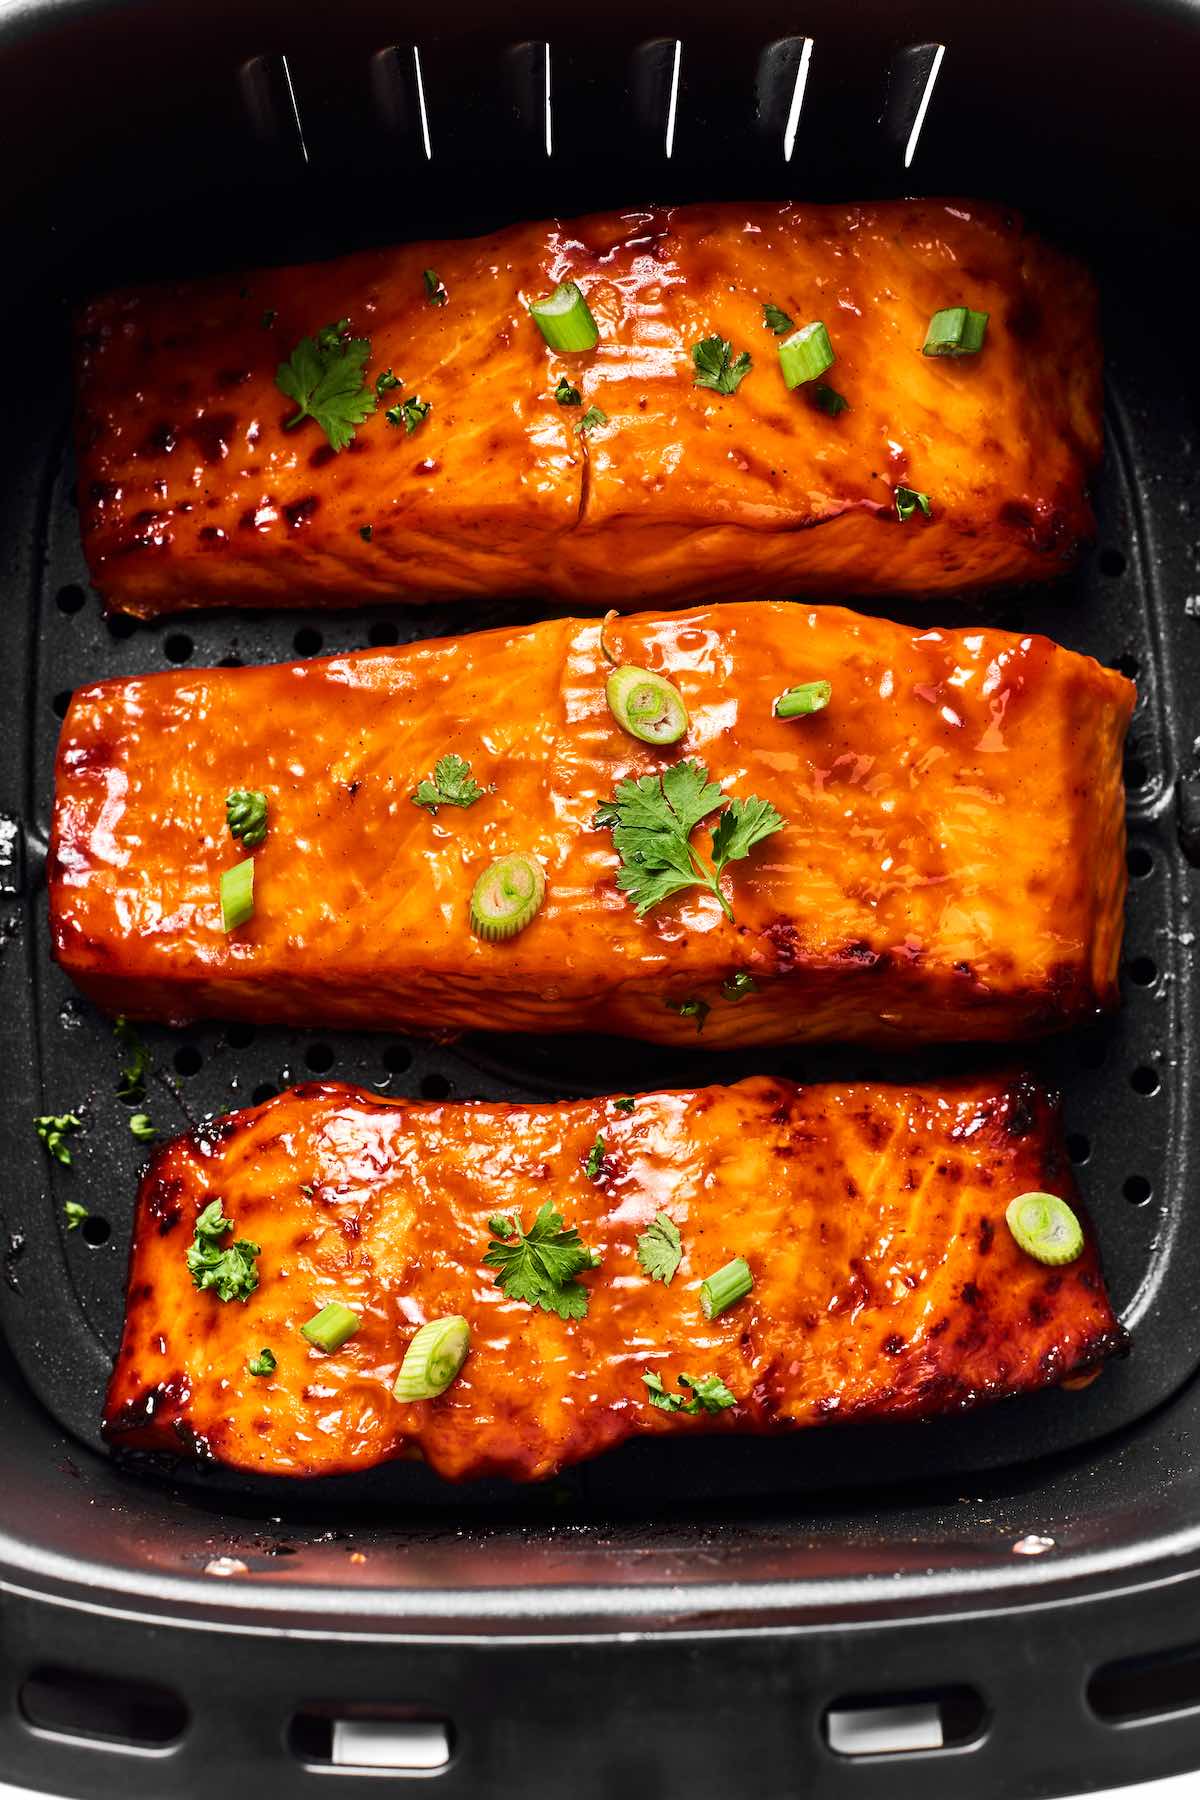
{"x":725,"y":1288}
{"x":142,"y":1127}
{"x":329,"y":1329}
{"x":647,"y":706}
{"x":1045,"y":1228}
{"x":828,"y":400}
{"x":237,"y":895}
{"x":409,"y":413}
{"x":262,"y":1364}
{"x":806,"y":354}
{"x":506,"y":897}
{"x":691,"y":1009}
{"x":908,"y":500}
{"x":76,"y":1212}
{"x":624,"y":1106}
{"x":809,"y":697}
{"x":246,"y":816}
{"x":955,"y":331}
{"x":433,"y":1359}
{"x":565,"y":320}
{"x":386,"y":382}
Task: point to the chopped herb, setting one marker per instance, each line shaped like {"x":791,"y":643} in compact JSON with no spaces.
{"x":724,"y":1289}
{"x":246,"y":816}
{"x":565,"y":319}
{"x":691,"y":1009}
{"x":709,"y":1394}
{"x":593,"y":1168}
{"x":330,"y":1328}
{"x":142,"y":1128}
{"x":717,"y":367}
{"x":500,"y":1227}
{"x":828,"y":400}
{"x":566,"y":395}
{"x":269,"y":318}
{"x":907,"y":502}
{"x":435,"y":293}
{"x":53,"y":1129}
{"x":1045,"y":1228}
{"x":410,"y":413}
{"x":805,"y":355}
{"x":591,"y":418}
{"x":507,"y":897}
{"x":624,"y":1106}
{"x":237,"y":895}
{"x":542,"y":1265}
{"x":386,"y":382}
{"x":325,"y":376}
{"x":433,"y":1359}
{"x":955,"y":331}
{"x":262,"y":1364}
{"x":136,"y":1064}
{"x":231,"y":1272}
{"x":660,"y":1249}
{"x":807,"y":697}
{"x":76,"y":1213}
{"x":653,"y":819}
{"x":736,"y":987}
{"x":452,"y":785}
{"x":366,"y":533}
{"x":775,"y":319}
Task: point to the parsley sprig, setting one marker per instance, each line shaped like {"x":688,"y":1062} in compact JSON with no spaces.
{"x":540,"y":1266}
{"x":453,"y":785}
{"x":653,"y":819}
{"x":709,"y":1393}
{"x":717,"y":367}
{"x":325,"y":377}
{"x":231,"y":1272}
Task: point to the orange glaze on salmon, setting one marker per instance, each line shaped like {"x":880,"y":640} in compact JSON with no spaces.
{"x":952,"y":864}
{"x":192,"y":492}
{"x":886,"y":1282}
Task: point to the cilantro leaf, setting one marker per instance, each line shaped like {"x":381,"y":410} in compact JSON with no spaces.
{"x":714,"y":367}
{"x":624,"y":1106}
{"x":409,"y":413}
{"x":566,"y":395}
{"x":593,"y":416}
{"x":828,"y":400}
{"x":657,"y":1394}
{"x":652,"y":820}
{"x":136,"y":1064}
{"x":709,"y":1393}
{"x":231,"y":1272}
{"x":775,"y":319}
{"x":736,"y":987}
{"x":325,"y":377}
{"x":76,"y":1212}
{"x":593,"y":1168}
{"x":500,"y":1227}
{"x":53,"y":1129}
{"x":660,"y":1249}
{"x":908,"y":500}
{"x":691,"y":1009}
{"x":541,"y":1265}
{"x":262,"y":1364}
{"x":435,"y":293}
{"x":452,"y":785}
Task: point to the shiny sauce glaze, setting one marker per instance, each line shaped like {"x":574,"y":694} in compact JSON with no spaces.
{"x":952,"y":863}
{"x":193,"y":493}
{"x":886,"y":1282}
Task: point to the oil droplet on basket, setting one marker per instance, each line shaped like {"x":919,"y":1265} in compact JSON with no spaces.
{"x":1032,"y":1546}
{"x":226,"y":1565}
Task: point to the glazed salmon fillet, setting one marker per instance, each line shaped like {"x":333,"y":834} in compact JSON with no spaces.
{"x":194,"y":492}
{"x":886,"y":1283}
{"x":950,"y":864}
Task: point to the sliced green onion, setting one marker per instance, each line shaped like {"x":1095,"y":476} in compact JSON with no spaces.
{"x":955,"y":331}
{"x":646,"y":705}
{"x":565,"y":320}
{"x":433,"y":1358}
{"x":330,"y":1328}
{"x":237,"y":895}
{"x":725,"y":1288}
{"x":809,"y":697}
{"x":506,"y":897}
{"x":908,"y":500}
{"x":1045,"y":1228}
{"x":806,"y":354}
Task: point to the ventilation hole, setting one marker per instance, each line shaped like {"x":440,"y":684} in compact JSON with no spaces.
{"x":230,"y":662}
{"x":1145,"y":1080}
{"x":188,"y":1060}
{"x":319,"y":1057}
{"x":1139,"y":861}
{"x":397,"y":1058}
{"x":239,"y":1036}
{"x":1128,"y":665}
{"x":1112,"y":562}
{"x":1143,"y":970}
{"x":95,"y":1230}
{"x":121,"y":627}
{"x":307,"y":641}
{"x":1078,"y":1147}
{"x":895,"y":1724}
{"x":1137,"y":1190}
{"x":1136,"y":773}
{"x":70,"y":599}
{"x":1092,"y":1053}
{"x":61,"y":702}
{"x":1140,"y":1686}
{"x":178,"y":647}
{"x":383,"y":632}
{"x":264,"y":1091}
{"x":434,"y":1087}
{"x":70,"y":1703}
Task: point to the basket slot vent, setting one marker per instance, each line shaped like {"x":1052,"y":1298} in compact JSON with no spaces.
{"x":911,"y":80}
{"x":270,"y":101}
{"x":123,"y":1715}
{"x":399,"y":95}
{"x":1145,"y":1687}
{"x":900,"y":1724}
{"x":779,"y":87}
{"x":527,"y":69}
{"x":399,"y":1743}
{"x":657,"y":66}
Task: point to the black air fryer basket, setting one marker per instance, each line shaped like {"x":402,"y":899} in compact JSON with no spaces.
{"x":1003,"y":1604}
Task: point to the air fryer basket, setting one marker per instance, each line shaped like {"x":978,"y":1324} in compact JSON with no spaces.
{"x":672,"y":1619}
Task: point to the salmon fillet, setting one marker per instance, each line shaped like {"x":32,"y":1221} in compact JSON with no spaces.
{"x":951,"y":863}
{"x":193,"y":493}
{"x":886,"y":1282}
